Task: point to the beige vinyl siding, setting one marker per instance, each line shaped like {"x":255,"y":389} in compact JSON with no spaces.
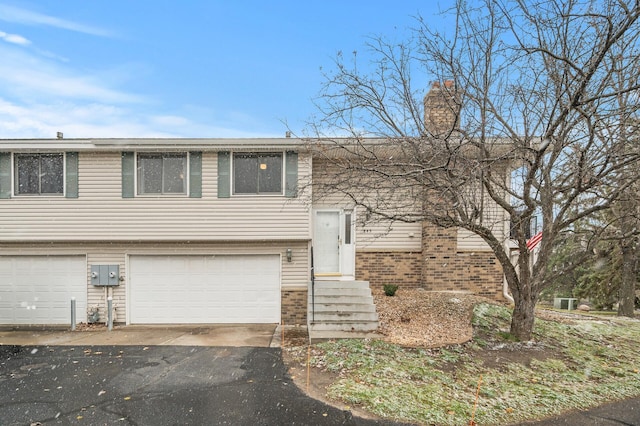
{"x":379,"y":235}
{"x":373,"y":235}
{"x":295,"y":274}
{"x":495,"y":218}
{"x":100,"y":213}
{"x":468,"y":241}
{"x":396,"y":236}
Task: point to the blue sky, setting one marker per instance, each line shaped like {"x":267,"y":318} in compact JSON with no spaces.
{"x":122,"y":68}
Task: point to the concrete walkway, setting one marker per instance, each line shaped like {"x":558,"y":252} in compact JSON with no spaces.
{"x":239,"y":335}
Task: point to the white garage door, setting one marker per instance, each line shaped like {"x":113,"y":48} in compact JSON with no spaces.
{"x":204,"y":289}
{"x":38,"y":289}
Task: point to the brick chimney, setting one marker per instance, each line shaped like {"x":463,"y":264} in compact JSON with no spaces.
{"x":441,"y":108}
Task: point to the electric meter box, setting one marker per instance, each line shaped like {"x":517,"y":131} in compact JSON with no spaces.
{"x":105,"y":275}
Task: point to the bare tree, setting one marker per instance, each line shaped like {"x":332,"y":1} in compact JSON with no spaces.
{"x":527,"y":124}
{"x":627,"y":242}
{"x":626,"y":227}
{"x":627,"y":208}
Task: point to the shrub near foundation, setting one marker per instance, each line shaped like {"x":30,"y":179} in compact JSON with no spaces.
{"x":390,"y":289}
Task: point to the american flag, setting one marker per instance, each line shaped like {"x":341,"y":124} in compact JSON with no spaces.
{"x":534,"y":241}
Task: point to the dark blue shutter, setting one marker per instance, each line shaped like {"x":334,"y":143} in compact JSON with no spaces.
{"x":5,"y":175}
{"x":128,"y":174}
{"x":224,"y":174}
{"x":195,"y":174}
{"x":71,"y":175}
{"x":291,"y":177}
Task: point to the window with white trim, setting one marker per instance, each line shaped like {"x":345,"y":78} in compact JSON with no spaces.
{"x":257,"y":173}
{"x":39,"y":174}
{"x":162,"y":173}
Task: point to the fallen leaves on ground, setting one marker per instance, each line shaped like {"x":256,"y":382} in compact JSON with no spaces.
{"x":420,"y":318}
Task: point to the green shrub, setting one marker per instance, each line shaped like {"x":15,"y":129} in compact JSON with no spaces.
{"x":390,"y":289}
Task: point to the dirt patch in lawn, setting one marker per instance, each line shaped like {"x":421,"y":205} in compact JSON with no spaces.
{"x":498,"y":356}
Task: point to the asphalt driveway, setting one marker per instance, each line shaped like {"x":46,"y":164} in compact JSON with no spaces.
{"x":155,"y":385}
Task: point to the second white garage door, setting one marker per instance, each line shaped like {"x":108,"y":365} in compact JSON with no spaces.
{"x":204,"y":289}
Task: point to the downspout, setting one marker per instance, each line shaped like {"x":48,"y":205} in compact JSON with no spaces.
{"x":505,"y":284}
{"x":505,"y":289}
{"x":313,"y":290}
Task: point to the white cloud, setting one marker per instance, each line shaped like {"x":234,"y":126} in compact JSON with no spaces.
{"x":74,"y":120}
{"x":14,"y":38}
{"x":27,"y":76}
{"x":27,"y":17}
{"x":96,"y":120}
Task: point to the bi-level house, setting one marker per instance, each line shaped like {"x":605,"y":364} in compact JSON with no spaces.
{"x":199,"y":231}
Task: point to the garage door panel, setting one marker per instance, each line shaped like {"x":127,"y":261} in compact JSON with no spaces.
{"x":38,"y":289}
{"x":205,"y":289}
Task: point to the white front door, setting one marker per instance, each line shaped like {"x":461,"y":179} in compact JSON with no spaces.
{"x":333,"y":243}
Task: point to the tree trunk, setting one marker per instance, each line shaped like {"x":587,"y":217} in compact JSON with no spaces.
{"x":523,"y":318}
{"x":626,"y":298}
{"x":524,"y":298}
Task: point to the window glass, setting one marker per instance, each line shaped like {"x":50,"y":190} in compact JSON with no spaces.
{"x":347,"y":228}
{"x":27,"y":174}
{"x":174,"y":167}
{"x":150,"y":174}
{"x":51,"y":174}
{"x":257,"y":173}
{"x":162,"y":173}
{"x":270,"y":173}
{"x":245,"y":177}
{"x":39,"y":174}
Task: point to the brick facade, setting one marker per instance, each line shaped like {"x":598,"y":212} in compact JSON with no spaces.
{"x":477,"y":272}
{"x":294,"y":307}
{"x":439,"y":267}
{"x":447,"y":269}
{"x":379,"y":268}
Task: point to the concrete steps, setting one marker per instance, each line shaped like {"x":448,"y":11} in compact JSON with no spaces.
{"x":336,"y":299}
{"x":342,"y":309}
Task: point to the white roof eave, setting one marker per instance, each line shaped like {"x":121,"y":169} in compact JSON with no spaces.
{"x":127,"y":144}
